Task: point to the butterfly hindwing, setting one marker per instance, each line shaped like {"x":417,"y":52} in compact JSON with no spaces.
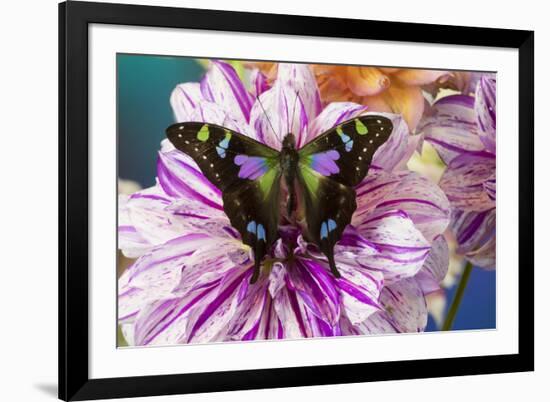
{"x":246,"y":171}
{"x":329,"y":167}
{"x":329,"y":206}
{"x":344,"y":153}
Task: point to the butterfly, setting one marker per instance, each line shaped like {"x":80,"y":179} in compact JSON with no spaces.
{"x":319,"y":177}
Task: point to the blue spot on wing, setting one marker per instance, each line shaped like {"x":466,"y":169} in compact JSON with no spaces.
{"x":261,"y":232}
{"x":331,"y":225}
{"x":251,"y":227}
{"x":222,"y":146}
{"x":347,"y":141}
{"x":324,"y":230}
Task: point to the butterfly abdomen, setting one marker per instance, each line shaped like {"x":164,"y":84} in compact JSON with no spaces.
{"x":289,"y":160}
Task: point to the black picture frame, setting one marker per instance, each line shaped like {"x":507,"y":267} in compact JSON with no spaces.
{"x":74,"y":19}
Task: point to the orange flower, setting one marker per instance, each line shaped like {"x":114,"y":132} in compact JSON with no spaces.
{"x":394,"y":90}
{"x":382,"y":89}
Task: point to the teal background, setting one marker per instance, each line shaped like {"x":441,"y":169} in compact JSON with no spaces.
{"x":144,"y":87}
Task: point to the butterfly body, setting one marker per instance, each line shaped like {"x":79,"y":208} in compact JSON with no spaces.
{"x":318,"y":177}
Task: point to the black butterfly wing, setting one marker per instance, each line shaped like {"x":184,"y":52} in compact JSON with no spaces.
{"x":329,"y":206}
{"x":329,"y":167}
{"x":248,"y":174}
{"x":345,"y":152}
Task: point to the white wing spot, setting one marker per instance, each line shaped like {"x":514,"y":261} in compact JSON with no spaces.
{"x":181,"y":127}
{"x":211,"y":165}
{"x":217,"y":175}
{"x":187,"y":142}
{"x":379,"y":121}
{"x":370,"y":142}
{"x":364,"y":149}
{"x":357,"y":168}
{"x":360,"y":158}
{"x":196,"y":150}
{"x":377,"y":134}
{"x":180,"y":135}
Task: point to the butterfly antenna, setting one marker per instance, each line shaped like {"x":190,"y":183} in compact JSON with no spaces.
{"x":293,"y":111}
{"x":266,"y":116}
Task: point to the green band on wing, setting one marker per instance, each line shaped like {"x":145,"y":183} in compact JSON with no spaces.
{"x":266,"y":181}
{"x":203,"y":133}
{"x":311,"y":179}
{"x":360,"y":127}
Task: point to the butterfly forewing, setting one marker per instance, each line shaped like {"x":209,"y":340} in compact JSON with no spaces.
{"x":329,"y":167}
{"x":344,"y":153}
{"x":246,"y":171}
{"x":214,"y":149}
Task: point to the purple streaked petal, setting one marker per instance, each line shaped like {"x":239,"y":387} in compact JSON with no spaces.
{"x":289,"y":313}
{"x":390,"y":244}
{"x":359,"y":290}
{"x":376,"y":186}
{"x":332,"y":115}
{"x":258,"y":82}
{"x":250,"y":319}
{"x":486,"y":109}
{"x":490,"y":186}
{"x":451,"y":127}
{"x":179,"y":177}
{"x":277,"y":112}
{"x":405,"y":310}
{"x":464,"y":181}
{"x":314,"y":286}
{"x":218,"y":313}
{"x":154,"y":275}
{"x":302,"y":80}
{"x":395,"y":151}
{"x":148,"y":212}
{"x":185,"y":99}
{"x":130,"y":241}
{"x":422,"y":200}
{"x":204,"y":277}
{"x":221,"y":85}
{"x":435,"y":268}
{"x":475,"y":233}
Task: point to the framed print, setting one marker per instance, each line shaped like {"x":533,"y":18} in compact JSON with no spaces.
{"x":314,"y":204}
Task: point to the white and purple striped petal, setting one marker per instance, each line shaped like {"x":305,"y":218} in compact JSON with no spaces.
{"x":332,"y":115}
{"x":486,"y":109}
{"x":258,"y":82}
{"x":451,"y":127}
{"x":388,"y":243}
{"x":404,"y":310}
{"x":465,"y":180}
{"x":475,"y":233}
{"x":435,"y":268}
{"x":185,"y":99}
{"x":395,"y":151}
{"x":154,"y":275}
{"x":277,"y":112}
{"x":423,"y":202}
{"x":180,"y":177}
{"x":221,"y":85}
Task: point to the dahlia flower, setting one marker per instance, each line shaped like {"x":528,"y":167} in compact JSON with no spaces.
{"x":463,"y":130}
{"x":190,"y":279}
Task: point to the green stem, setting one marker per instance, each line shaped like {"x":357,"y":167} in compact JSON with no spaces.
{"x":451,"y":313}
